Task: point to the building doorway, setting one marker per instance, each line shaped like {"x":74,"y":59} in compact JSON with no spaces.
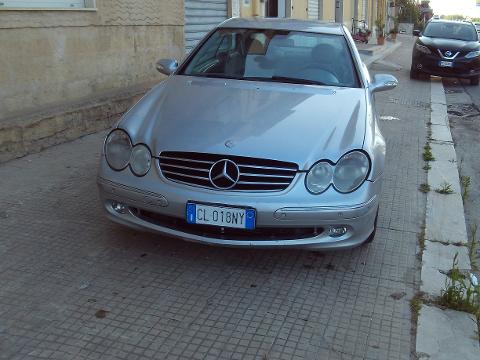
{"x":272,"y":8}
{"x":275,"y":8}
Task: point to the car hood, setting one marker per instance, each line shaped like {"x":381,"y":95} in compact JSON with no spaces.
{"x":287,"y":122}
{"x":449,"y":44}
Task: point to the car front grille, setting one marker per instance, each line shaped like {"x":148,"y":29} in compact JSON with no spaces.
{"x":255,"y":174}
{"x":441,"y":53}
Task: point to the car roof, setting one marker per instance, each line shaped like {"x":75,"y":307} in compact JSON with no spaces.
{"x":284,"y":24}
{"x":451,"y":21}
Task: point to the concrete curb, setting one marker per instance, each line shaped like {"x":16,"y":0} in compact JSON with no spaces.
{"x":444,"y":334}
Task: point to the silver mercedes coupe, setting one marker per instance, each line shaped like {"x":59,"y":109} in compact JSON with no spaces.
{"x":266,"y":135}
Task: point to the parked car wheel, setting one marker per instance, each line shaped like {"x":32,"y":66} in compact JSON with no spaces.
{"x":414,"y":74}
{"x":474,"y":80}
{"x":372,"y":235}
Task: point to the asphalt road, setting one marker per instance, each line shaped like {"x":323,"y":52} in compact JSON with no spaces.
{"x":75,"y":286}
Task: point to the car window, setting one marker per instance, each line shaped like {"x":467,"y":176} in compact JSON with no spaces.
{"x":275,"y":55}
{"x":459,"y":31}
{"x":219,"y":45}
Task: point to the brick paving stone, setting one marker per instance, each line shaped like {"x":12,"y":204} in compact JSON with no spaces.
{"x":62,"y":262}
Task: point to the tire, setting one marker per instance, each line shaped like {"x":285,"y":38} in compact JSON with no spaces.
{"x":414,"y":74}
{"x":372,"y":235}
{"x":474,"y":80}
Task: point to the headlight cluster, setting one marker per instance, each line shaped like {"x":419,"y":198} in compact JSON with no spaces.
{"x":422,"y":48}
{"x":120,"y":153}
{"x":346,"y":175}
{"x":473,"y":54}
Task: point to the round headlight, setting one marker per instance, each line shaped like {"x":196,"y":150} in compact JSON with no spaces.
{"x":141,"y":160}
{"x":319,"y":177}
{"x":351,"y":171}
{"x":118,"y":149}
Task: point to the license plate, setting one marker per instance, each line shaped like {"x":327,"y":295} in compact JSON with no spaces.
{"x":219,"y":215}
{"x":446,"y":64}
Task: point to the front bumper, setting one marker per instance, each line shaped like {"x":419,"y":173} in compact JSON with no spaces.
{"x":291,"y":218}
{"x":462,"y":67}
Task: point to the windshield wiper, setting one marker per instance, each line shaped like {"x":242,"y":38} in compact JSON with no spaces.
{"x":216,"y":75}
{"x":285,"y":79}
{"x":275,"y":78}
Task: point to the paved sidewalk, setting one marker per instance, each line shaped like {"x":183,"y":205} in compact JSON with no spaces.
{"x":372,"y":52}
{"x":75,"y":286}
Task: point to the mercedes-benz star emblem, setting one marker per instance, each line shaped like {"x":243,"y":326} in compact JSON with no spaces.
{"x":448,"y":53}
{"x":224,"y":174}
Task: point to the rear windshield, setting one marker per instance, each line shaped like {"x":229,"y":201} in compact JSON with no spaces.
{"x":275,"y":55}
{"x":458,"y":31}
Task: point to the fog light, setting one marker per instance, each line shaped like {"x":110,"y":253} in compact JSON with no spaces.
{"x":119,"y":207}
{"x":337,"y":231}
{"x":419,"y":66}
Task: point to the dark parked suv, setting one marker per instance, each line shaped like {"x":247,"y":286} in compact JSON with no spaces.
{"x":447,"y":48}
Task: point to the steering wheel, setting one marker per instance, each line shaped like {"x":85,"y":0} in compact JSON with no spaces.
{"x":318,"y":73}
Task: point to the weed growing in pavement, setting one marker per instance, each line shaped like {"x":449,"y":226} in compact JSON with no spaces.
{"x":424,"y":188}
{"x":416,"y":304}
{"x":445,"y":189}
{"x":421,"y":243}
{"x":466,"y":182}
{"x":473,"y":247}
{"x":459,"y":293}
{"x":427,"y":167}
{"x":427,"y":153}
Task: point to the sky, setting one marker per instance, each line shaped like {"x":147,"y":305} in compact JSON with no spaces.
{"x":451,"y":7}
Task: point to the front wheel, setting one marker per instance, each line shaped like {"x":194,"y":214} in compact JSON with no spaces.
{"x":414,"y":74}
{"x":372,"y":235}
{"x":474,"y":80}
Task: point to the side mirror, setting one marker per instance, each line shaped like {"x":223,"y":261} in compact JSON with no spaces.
{"x":166,"y":66}
{"x":383,"y":82}
{"x":416,"y":32}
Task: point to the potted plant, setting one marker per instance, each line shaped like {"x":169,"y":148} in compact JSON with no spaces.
{"x":394,"y":30}
{"x":380,"y":25}
{"x":393,"y":34}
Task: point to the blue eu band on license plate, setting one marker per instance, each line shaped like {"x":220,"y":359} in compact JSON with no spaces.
{"x":223,"y":216}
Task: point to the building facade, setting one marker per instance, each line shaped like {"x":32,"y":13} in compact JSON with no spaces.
{"x":71,"y":67}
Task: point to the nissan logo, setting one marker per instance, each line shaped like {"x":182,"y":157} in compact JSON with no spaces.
{"x":448,"y":53}
{"x":224,"y":174}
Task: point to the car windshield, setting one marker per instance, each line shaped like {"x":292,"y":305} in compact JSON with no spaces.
{"x":276,"y":56}
{"x":459,"y":31}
